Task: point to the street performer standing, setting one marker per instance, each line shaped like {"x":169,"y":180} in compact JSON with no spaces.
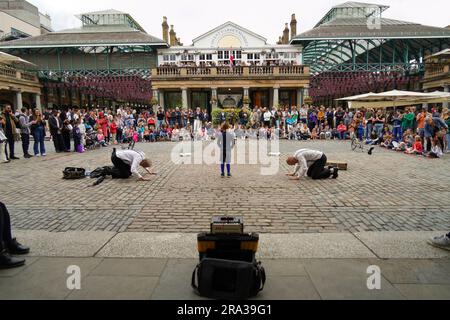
{"x":311,"y":163}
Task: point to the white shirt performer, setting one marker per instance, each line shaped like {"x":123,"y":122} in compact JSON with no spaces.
{"x":127,"y":162}
{"x":311,"y":163}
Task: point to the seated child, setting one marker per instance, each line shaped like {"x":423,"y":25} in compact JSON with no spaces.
{"x":327,"y":132}
{"x":374,"y":139}
{"x":101,"y":138}
{"x":141,"y":132}
{"x":305,"y":133}
{"x":150,"y":134}
{"x":408,"y":141}
{"x":175,"y":134}
{"x":342,"y":129}
{"x":408,"y":138}
{"x":314,"y":133}
{"x":436,"y":150}
{"x":291,"y":132}
{"x":417,"y":147}
{"x":387,"y":141}
{"x":163,"y":133}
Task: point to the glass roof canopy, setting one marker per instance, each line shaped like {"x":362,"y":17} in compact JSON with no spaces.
{"x":109,"y":17}
{"x":354,"y":10}
{"x":354,"y":37}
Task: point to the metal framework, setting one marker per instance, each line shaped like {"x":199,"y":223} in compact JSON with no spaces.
{"x":376,"y":54}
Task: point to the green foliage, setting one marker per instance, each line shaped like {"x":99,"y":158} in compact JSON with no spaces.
{"x":232,"y":115}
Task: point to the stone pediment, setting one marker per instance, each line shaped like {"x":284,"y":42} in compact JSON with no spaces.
{"x":229,"y":35}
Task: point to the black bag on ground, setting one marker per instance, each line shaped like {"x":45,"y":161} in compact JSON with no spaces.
{"x":74,"y":173}
{"x":228,"y":279}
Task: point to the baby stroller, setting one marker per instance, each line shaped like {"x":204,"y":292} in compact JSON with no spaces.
{"x":91,"y":140}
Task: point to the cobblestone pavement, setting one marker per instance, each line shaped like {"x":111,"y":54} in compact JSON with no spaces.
{"x":385,"y":192}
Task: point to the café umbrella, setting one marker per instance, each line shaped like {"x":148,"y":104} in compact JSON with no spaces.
{"x":395,"y":99}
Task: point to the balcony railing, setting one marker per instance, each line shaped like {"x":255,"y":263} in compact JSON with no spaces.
{"x":261,"y":70}
{"x":171,"y":72}
{"x":168,"y":71}
{"x":200,"y":71}
{"x":12,"y":73}
{"x":9,"y":72}
{"x":437,"y":70}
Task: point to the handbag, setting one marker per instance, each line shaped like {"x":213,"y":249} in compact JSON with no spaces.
{"x":74,"y":173}
{"x":2,"y":136}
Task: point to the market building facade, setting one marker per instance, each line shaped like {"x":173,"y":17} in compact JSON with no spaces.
{"x":228,"y":67}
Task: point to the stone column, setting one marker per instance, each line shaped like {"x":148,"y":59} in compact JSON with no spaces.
{"x":300,"y":97}
{"x":184,"y":98}
{"x":276,"y":97}
{"x":37,"y":98}
{"x":19,"y":101}
{"x":446,"y":89}
{"x":246,"y":96}
{"x":161,"y":100}
{"x":156,"y":94}
{"x":214,"y":99}
{"x":246,"y":92}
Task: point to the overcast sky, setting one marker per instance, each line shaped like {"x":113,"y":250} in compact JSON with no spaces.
{"x":265,"y":17}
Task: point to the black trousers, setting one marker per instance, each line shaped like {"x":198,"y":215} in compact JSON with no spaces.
{"x":66,"y":138}
{"x":121,"y":170}
{"x":25,"y":143}
{"x":11,"y":143}
{"x":318,"y":171}
{"x":5,"y":226}
{"x":58,"y":142}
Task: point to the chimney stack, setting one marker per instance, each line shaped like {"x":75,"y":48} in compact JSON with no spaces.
{"x":173,"y":36}
{"x":286,"y":35}
{"x":165,"y":30}
{"x":280,"y":40}
{"x":293,"y":26}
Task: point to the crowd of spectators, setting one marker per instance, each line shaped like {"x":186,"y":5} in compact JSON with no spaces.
{"x":412,"y":130}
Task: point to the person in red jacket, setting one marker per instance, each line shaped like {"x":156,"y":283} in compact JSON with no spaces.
{"x":113,"y":130}
{"x":342,"y":129}
{"x":417,"y":147}
{"x":103,"y":124}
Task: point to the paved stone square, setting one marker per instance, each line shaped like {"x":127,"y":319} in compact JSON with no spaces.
{"x":169,"y":279}
{"x":385,"y":192}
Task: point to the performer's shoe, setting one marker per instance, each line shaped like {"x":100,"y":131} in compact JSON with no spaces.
{"x":335,"y":173}
{"x":16,"y":248}
{"x":222,"y":175}
{"x":371,"y":150}
{"x":229,"y":175}
{"x":8,"y":262}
